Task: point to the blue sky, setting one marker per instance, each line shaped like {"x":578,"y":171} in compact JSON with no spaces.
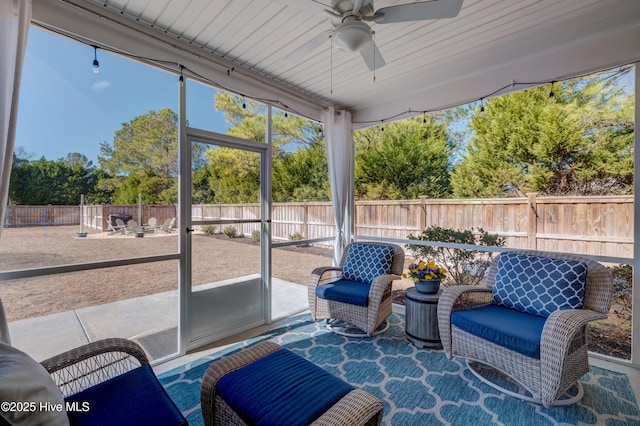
{"x":65,"y":107}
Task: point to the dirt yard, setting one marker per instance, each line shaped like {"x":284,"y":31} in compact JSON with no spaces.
{"x":215,"y":258}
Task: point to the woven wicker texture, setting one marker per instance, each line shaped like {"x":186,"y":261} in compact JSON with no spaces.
{"x":80,"y":368}
{"x":563,"y":349}
{"x":366,"y":318}
{"x":356,"y":408}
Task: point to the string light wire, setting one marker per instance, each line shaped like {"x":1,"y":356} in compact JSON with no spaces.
{"x":278,"y":103}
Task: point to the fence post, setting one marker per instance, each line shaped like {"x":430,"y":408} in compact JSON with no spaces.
{"x":532,"y":230}
{"x":422,"y":221}
{"x":305,"y":219}
{"x":355,"y":215}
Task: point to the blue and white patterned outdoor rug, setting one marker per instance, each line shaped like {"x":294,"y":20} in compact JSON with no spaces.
{"x":417,"y":386}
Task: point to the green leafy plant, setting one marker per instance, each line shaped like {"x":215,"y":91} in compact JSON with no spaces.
{"x":622,"y":282}
{"x":464,"y":267}
{"x":230,"y":232}
{"x":295,"y":237}
{"x":255,"y":235}
{"x":209,"y":229}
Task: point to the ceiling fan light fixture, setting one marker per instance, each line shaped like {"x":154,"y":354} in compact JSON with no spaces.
{"x":352,"y":35}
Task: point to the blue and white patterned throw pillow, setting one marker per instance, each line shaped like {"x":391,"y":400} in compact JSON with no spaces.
{"x":539,"y":285}
{"x":364,"y":262}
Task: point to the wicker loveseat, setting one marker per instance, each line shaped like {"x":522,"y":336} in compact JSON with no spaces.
{"x":530,"y":322}
{"x":358,"y":291}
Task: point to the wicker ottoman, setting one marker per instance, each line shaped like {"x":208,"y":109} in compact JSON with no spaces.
{"x":269,"y":385}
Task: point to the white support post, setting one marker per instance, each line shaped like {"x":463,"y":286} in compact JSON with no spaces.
{"x":184,"y":221}
{"x":635,"y":313}
{"x":265,"y":225}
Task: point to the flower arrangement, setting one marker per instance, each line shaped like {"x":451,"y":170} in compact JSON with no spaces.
{"x":422,"y":270}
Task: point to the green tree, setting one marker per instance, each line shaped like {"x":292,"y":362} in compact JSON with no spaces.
{"x":144,"y":148}
{"x":302,"y":175}
{"x":143,"y":159}
{"x":235,"y":175}
{"x":580,"y":142}
{"x":298,"y":154}
{"x":408,"y":159}
{"x":60,"y":182}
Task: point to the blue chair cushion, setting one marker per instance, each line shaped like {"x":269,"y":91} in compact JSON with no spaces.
{"x":539,"y":285}
{"x":346,"y":291}
{"x":509,"y":328}
{"x":364,"y":262}
{"x":133,"y":398}
{"x":281,"y":388}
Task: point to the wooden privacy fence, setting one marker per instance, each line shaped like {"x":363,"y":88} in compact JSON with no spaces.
{"x":589,"y":225}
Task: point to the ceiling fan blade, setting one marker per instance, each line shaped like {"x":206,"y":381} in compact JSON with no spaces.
{"x":356,"y":6}
{"x":420,"y":11}
{"x":307,"y":48}
{"x":312,"y":5}
{"x":372,"y":56}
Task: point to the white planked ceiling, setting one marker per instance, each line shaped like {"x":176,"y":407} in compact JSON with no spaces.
{"x":429,"y":64}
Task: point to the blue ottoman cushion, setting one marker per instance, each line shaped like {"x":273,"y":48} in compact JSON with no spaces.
{"x":132,"y":398}
{"x":346,"y":291}
{"x":509,"y":328}
{"x":281,"y":388}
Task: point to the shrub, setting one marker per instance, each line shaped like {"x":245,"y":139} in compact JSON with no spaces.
{"x":622,"y":282}
{"x":230,"y":231}
{"x":255,"y":235}
{"x":295,"y":237}
{"x":209,"y":229}
{"x":466,"y":267}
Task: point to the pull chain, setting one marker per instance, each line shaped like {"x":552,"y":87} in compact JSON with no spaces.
{"x":331,"y":63}
{"x":373,"y":33}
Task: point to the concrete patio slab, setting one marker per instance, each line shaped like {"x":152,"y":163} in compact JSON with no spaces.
{"x":48,"y":335}
{"x":150,"y":320}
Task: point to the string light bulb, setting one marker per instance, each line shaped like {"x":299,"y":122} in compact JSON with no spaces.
{"x":96,"y":64}
{"x":181,"y":78}
{"x":481,"y":104}
{"x":551,"y":94}
{"x":244,"y":103}
{"x":424,"y":117}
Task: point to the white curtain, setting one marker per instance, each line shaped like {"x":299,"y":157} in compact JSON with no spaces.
{"x":15,"y":17}
{"x":339,"y":139}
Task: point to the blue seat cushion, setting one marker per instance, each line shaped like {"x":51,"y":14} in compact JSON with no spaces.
{"x":346,"y":291}
{"x":364,"y":262}
{"x":281,"y":388}
{"x":509,"y":328}
{"x":539,"y":285}
{"x":133,"y":398}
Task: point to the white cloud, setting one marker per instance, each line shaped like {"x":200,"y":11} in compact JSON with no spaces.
{"x":100,"y":86}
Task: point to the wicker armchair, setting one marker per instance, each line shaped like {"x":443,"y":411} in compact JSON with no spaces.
{"x":562,"y":358}
{"x":110,"y":381}
{"x":369,"y":315}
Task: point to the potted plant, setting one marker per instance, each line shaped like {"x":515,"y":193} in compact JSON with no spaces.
{"x":426,"y":276}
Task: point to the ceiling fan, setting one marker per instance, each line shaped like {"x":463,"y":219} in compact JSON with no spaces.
{"x":352,"y":33}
